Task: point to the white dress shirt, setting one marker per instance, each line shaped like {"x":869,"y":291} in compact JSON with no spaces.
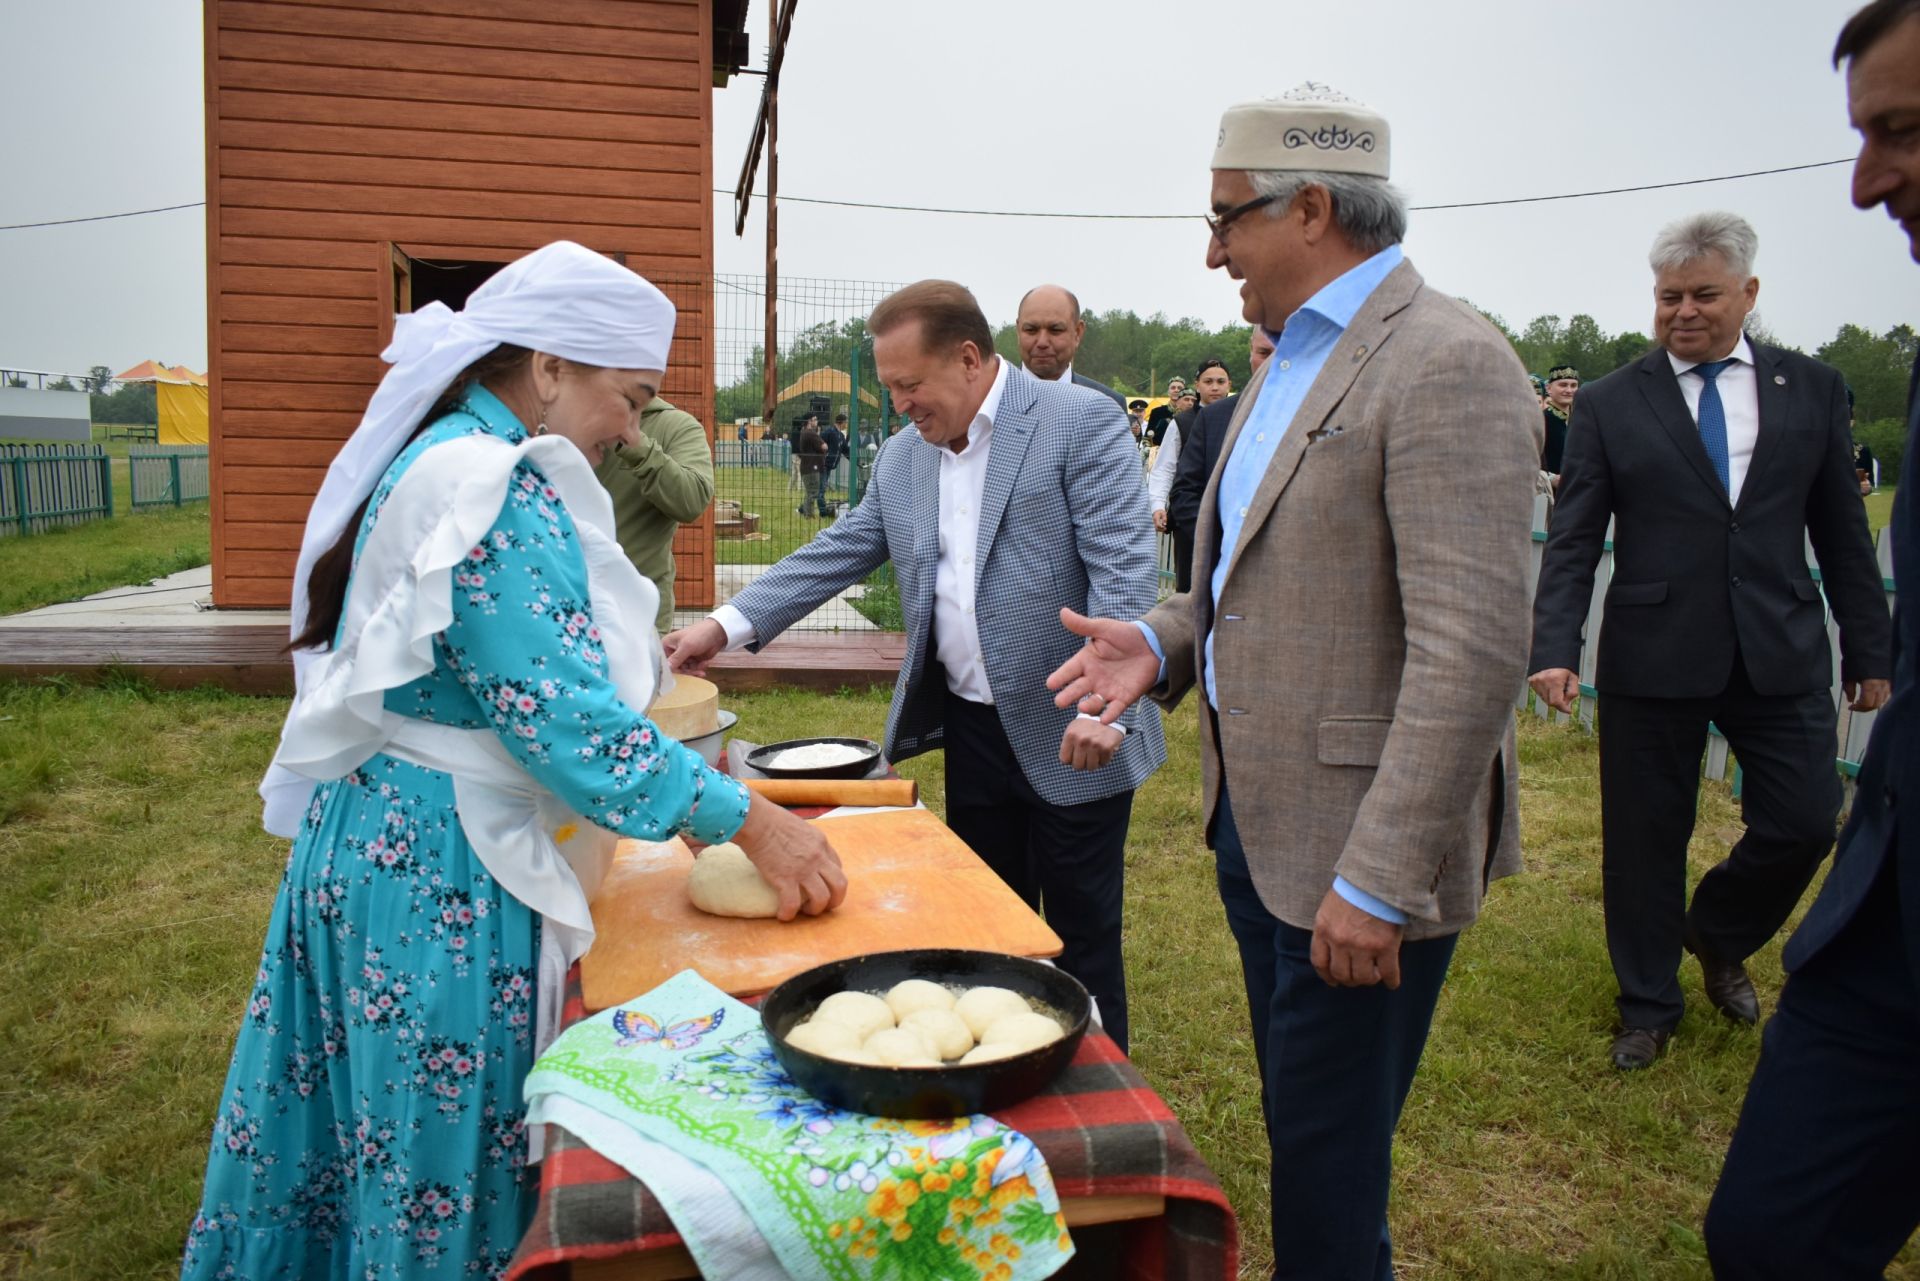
{"x":956,"y":635}
{"x":1165,"y":464}
{"x":1739,"y":397}
{"x":963,"y":480}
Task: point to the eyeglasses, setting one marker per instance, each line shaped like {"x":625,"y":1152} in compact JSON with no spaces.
{"x":1218,"y":226}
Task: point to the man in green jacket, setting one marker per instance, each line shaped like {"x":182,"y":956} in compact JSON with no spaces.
{"x":660,"y":484}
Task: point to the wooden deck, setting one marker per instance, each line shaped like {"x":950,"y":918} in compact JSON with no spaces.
{"x":246,"y":658}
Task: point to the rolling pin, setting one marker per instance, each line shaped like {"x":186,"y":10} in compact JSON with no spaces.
{"x":837,"y":791}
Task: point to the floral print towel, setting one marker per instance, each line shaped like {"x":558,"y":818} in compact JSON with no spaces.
{"x":835,"y":1194}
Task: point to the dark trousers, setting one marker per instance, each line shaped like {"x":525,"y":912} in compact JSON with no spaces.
{"x":1820,"y":1180}
{"x":1066,"y":860}
{"x":1650,"y":751}
{"x":1335,"y":1067}
{"x":1182,"y":557}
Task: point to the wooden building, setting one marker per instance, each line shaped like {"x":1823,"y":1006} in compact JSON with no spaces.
{"x":365,"y":158}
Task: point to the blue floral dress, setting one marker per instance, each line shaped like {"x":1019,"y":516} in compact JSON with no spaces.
{"x":372,"y":1125}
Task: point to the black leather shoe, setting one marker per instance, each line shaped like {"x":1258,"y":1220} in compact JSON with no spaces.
{"x":1727,"y":984}
{"x":1638,"y":1047}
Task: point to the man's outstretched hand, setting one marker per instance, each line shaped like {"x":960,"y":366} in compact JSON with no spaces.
{"x":1115,"y":667}
{"x":691,"y":648}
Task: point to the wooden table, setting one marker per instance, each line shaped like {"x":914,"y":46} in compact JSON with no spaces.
{"x":1117,"y":1154}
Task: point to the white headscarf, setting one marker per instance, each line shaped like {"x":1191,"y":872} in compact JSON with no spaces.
{"x":563,"y":299}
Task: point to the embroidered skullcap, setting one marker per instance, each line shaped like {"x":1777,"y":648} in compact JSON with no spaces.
{"x":563,"y":299}
{"x":1309,"y":127}
{"x":1539,"y":384}
{"x":1558,"y":372}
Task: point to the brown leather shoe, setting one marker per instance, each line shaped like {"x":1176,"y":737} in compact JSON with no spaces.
{"x":1727,"y":984}
{"x":1638,"y":1047}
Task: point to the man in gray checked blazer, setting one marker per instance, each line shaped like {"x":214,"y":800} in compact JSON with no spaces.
{"x":1358,"y":629}
{"x":1012,"y":498}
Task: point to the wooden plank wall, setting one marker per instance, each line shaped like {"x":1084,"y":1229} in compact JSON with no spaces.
{"x":455,"y":129}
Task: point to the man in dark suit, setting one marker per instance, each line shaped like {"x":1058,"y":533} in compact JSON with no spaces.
{"x":1049,"y":330}
{"x":1199,"y":455}
{"x":1819,"y":1181}
{"x":1716,"y":458}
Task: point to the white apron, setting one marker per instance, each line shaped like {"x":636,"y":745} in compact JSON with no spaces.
{"x":400,"y":598}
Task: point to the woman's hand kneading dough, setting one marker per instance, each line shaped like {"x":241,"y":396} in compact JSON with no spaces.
{"x":793,"y":858}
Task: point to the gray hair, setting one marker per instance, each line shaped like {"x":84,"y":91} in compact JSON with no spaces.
{"x":1371,"y":211}
{"x":1693,"y":238}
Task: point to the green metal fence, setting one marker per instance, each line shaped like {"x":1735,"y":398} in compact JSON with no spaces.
{"x":167,"y":475}
{"x":46,"y":486}
{"x":764,"y":506}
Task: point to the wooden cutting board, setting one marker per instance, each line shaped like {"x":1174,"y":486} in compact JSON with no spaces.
{"x":910,"y":883}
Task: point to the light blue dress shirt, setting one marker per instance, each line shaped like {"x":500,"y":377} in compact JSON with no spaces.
{"x":1299,"y":351}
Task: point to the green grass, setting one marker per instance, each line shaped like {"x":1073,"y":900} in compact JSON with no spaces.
{"x":135,"y":885}
{"x":71,"y":561}
{"x":763,"y":491}
{"x":1879,"y":508}
{"x":78,"y":560}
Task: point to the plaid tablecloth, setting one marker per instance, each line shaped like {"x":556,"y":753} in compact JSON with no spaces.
{"x":1101,"y":1127}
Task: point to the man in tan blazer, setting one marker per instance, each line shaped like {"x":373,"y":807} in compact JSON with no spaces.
{"x":1358,"y":628}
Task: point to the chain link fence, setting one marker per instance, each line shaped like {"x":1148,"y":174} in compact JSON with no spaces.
{"x":768,"y":500}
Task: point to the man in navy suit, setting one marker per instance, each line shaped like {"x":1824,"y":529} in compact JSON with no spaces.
{"x":1199,"y":456}
{"x":1011,"y":497}
{"x":1717,"y":459}
{"x":1820,"y":1178}
{"x":1049,"y":330}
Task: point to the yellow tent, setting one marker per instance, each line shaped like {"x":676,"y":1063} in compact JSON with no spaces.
{"x":825,"y":381}
{"x":181,"y":398}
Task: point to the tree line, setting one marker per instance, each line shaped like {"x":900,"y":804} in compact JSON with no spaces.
{"x":1136,"y":356}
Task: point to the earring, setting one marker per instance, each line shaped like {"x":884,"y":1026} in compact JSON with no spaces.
{"x":541,"y":428}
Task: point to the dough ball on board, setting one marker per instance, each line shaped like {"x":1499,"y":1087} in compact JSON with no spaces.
{"x":980,"y":1007}
{"x":944,"y":1030}
{"x":864,"y":1012}
{"x":1028,"y":1031}
{"x":901,"y":1047}
{"x":724,"y":882}
{"x":908,"y":995}
{"x":824,"y":1037}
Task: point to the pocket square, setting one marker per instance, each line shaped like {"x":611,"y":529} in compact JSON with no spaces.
{"x":1323,"y":433}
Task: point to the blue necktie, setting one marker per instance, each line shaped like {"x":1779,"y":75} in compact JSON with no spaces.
{"x":1713,"y":420}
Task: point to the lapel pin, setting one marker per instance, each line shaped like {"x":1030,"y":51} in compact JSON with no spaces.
{"x":1779,"y":380}
{"x":1360,"y":352}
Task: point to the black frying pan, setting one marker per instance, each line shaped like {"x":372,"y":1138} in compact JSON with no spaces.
{"x":927,"y":1092}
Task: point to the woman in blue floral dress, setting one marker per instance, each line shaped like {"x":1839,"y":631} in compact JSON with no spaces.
{"x":371,"y":1121}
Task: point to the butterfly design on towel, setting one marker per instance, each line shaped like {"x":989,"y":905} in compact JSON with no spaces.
{"x":635,"y":1028}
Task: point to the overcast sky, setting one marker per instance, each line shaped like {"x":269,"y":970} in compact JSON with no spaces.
{"x":1094,"y":107}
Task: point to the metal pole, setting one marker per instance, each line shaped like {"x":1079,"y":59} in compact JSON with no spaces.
{"x":772,"y":361}
{"x":106,"y":478}
{"x":853,"y":428}
{"x":174,"y":459}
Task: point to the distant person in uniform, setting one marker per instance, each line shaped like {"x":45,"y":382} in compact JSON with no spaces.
{"x":810,"y":453}
{"x":1157,"y":420}
{"x":1563,"y":383}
